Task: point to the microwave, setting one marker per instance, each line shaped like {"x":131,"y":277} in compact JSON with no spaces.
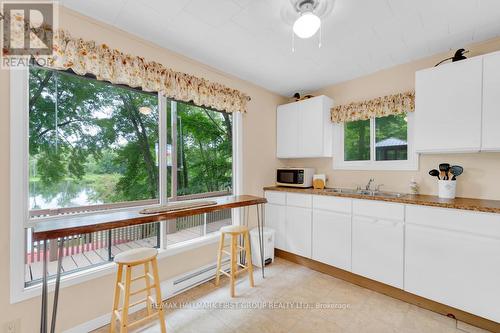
{"x":294,"y":177}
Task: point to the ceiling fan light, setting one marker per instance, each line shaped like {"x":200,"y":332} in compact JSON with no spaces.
{"x":306,"y":25}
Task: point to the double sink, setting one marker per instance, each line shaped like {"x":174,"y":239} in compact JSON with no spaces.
{"x":370,"y":193}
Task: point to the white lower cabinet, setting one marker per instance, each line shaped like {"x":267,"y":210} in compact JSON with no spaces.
{"x":446,"y":255}
{"x":275,"y":219}
{"x":453,"y":257}
{"x":331,"y":238}
{"x":331,"y":231}
{"x":298,"y":230}
{"x":378,"y":249}
{"x":275,"y":214}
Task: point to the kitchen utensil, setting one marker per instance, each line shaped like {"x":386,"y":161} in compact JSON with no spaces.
{"x":456,"y":170}
{"x":434,"y":173}
{"x":444,"y":168}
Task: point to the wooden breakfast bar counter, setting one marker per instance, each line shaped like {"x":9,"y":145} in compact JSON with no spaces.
{"x":71,"y":225}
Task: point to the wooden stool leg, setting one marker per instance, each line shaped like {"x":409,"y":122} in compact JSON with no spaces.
{"x":159,"y":304}
{"x":234,"y":254}
{"x":126,"y":299}
{"x":148,"y":287}
{"x":116,"y":300}
{"x":249,"y":258}
{"x":219,"y":259}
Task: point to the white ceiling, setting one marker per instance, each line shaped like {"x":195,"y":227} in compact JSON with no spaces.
{"x":250,"y":40}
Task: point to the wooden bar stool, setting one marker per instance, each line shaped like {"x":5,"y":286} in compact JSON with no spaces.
{"x":126,"y":261}
{"x":234,"y":232}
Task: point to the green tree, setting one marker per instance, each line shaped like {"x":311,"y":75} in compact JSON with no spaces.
{"x":89,"y":135}
{"x":75,"y":122}
{"x":205,"y":150}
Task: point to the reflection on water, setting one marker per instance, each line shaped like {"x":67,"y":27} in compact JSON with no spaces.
{"x":68,"y":193}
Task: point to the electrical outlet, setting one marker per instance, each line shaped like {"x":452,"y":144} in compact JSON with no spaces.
{"x":13,"y":326}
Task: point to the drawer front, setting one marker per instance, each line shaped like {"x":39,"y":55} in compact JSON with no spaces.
{"x":299,"y":200}
{"x":276,"y":197}
{"x":479,"y":223}
{"x":379,"y":209}
{"x":332,"y":204}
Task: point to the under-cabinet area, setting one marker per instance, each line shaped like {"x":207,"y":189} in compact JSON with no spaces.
{"x":446,"y":255}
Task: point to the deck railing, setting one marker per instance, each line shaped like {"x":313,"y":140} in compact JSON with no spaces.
{"x":37,"y":213}
{"x":100,"y":247}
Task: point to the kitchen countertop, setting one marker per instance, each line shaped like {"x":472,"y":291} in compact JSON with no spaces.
{"x":478,"y":205}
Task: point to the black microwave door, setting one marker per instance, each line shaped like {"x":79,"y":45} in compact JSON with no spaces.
{"x":287,"y":176}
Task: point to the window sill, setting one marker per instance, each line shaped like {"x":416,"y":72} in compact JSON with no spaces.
{"x":109,"y":268}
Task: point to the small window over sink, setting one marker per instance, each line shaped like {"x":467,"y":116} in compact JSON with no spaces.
{"x":379,"y":143}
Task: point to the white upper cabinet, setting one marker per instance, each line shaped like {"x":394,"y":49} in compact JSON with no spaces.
{"x":448,"y":101}
{"x":287,"y":140}
{"x":304,"y":128}
{"x":491,"y":102}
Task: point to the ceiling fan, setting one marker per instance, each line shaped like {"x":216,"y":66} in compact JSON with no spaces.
{"x":305,"y":15}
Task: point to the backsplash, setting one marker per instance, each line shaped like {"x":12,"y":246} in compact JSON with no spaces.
{"x":479,"y":179}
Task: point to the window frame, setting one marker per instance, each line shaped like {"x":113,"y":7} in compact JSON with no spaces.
{"x":19,"y":192}
{"x":339,"y":163}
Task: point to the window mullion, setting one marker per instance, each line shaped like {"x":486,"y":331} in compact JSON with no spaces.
{"x":162,"y":164}
{"x":174,"y":149}
{"x":162,"y":129}
{"x":372,"y":140}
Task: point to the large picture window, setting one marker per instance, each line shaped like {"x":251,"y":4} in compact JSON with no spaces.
{"x":96,"y":146}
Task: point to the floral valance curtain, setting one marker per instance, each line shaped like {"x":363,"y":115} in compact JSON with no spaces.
{"x":377,"y":107}
{"x":88,"y":57}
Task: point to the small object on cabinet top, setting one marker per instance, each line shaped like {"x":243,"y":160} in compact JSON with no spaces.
{"x":298,"y":98}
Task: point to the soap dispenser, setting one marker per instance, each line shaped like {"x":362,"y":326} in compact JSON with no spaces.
{"x":413,"y":186}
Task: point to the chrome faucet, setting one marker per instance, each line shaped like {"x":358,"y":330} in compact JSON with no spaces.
{"x":368,"y":186}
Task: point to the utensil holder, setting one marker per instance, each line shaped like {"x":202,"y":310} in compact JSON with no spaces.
{"x":447,"y":189}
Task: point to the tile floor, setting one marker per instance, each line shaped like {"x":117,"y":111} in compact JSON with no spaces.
{"x":346,"y":307}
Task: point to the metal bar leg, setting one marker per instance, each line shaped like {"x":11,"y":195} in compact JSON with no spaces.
{"x":56,"y":290}
{"x":261,"y":239}
{"x":110,"y":255}
{"x":245,"y":223}
{"x":43,"y":316}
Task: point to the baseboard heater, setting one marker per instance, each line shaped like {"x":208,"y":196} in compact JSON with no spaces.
{"x":192,"y":279}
